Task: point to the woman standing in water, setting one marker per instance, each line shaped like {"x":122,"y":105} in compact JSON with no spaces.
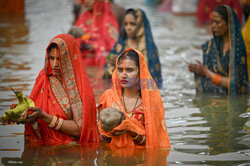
{"x":65,"y":104}
{"x":99,"y":22}
{"x":224,"y":67}
{"x":135,"y":94}
{"x":136,"y":34}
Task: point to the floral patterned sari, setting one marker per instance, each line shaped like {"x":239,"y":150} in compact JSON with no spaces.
{"x":103,"y":28}
{"x":232,"y":64}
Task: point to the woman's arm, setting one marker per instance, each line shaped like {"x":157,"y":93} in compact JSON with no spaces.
{"x":200,"y":69}
{"x":68,"y":126}
{"x":139,"y":139}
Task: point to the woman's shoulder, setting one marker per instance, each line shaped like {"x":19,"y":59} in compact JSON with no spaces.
{"x":107,"y":92}
{"x":207,"y":44}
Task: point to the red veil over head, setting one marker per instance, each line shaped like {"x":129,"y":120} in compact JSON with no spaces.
{"x":73,"y":99}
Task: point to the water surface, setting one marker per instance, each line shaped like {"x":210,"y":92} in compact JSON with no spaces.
{"x":203,"y":130}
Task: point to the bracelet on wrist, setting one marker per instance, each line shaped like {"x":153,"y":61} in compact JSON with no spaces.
{"x":52,"y":123}
{"x":216,"y":79}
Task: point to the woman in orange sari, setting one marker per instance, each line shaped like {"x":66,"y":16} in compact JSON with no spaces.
{"x":100,"y":23}
{"x":64,"y":100}
{"x":135,"y":93}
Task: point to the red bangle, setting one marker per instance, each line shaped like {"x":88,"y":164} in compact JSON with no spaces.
{"x":216,"y":79}
{"x":57,"y":121}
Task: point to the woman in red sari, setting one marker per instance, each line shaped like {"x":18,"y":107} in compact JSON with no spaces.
{"x":100,"y":23}
{"x":135,"y":93}
{"x":64,"y":100}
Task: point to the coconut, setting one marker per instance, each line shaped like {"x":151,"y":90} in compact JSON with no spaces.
{"x":110,"y":118}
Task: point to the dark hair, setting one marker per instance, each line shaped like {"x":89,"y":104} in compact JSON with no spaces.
{"x":222,"y":10}
{"x":132,"y":55}
{"x":52,"y":45}
{"x":130,"y":11}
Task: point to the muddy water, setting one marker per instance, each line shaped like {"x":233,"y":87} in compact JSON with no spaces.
{"x":204,"y":130}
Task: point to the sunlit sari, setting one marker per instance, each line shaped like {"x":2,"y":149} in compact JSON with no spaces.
{"x":145,"y":44}
{"x":103,"y":28}
{"x":206,"y":7}
{"x":233,"y":64}
{"x":246,"y":37}
{"x":155,"y":128}
{"x":71,"y":100}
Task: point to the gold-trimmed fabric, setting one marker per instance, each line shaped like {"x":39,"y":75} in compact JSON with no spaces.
{"x":70,"y":81}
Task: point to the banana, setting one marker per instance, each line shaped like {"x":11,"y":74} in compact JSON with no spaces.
{"x":18,"y":114}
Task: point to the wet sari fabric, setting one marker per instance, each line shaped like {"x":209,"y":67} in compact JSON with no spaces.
{"x":233,"y":64}
{"x":103,"y":28}
{"x":155,"y":126}
{"x":73,"y":99}
{"x":206,"y":7}
{"x":145,"y":44}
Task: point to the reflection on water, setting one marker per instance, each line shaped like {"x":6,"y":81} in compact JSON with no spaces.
{"x":79,"y":155}
{"x":225,"y":122}
{"x":203,"y":130}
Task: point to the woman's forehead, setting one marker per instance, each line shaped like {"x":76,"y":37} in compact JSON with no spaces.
{"x":127,"y":62}
{"x":53,"y":52}
{"x":215,"y":15}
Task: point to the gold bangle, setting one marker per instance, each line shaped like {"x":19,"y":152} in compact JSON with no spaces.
{"x":52,"y":123}
{"x":134,"y":138}
{"x":59,"y":124}
{"x":142,"y":139}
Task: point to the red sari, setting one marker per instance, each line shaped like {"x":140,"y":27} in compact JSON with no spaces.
{"x":103,"y":28}
{"x":71,"y":100}
{"x":206,"y":7}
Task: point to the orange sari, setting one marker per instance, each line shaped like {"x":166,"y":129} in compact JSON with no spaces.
{"x":155,"y":128}
{"x":103,"y":28}
{"x":71,"y":100}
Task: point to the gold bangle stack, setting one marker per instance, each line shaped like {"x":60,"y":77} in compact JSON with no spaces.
{"x":53,"y":122}
{"x":56,"y":123}
{"x":59,"y":124}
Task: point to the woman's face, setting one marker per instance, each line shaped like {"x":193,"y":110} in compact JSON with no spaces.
{"x":130,"y":25}
{"x":218,"y":25}
{"x":89,"y":4}
{"x":128,"y":73}
{"x":54,"y":61}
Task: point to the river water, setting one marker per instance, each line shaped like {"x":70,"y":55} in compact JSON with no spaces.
{"x":203,"y":130}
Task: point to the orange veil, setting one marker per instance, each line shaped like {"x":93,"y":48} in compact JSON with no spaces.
{"x":155,"y":125}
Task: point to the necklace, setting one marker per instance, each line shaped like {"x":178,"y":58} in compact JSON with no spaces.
{"x":125,"y":103}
